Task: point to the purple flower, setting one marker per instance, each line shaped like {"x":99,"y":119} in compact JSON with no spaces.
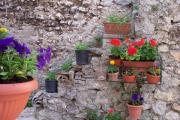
{"x":22,"y":49}
{"x":4,"y":43}
{"x":135,"y":97}
{"x":43,"y":57}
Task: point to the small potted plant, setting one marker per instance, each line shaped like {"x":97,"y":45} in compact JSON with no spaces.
{"x":113,"y":73}
{"x":67,"y":66}
{"x":153,"y":75}
{"x":51,"y":83}
{"x":115,"y":50}
{"x":117,"y":25}
{"x":112,"y":115}
{"x":82,"y":54}
{"x":135,"y":104}
{"x":18,"y":64}
{"x":98,"y":41}
{"x":129,"y":76}
{"x":92,"y":114}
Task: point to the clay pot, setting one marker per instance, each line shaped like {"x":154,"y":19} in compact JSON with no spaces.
{"x":14,"y":97}
{"x":129,"y":79}
{"x":113,"y":76}
{"x":139,"y":65}
{"x":134,"y":111}
{"x":114,"y":28}
{"x":153,"y":79}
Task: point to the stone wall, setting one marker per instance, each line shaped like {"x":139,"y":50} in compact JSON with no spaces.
{"x":61,"y":23}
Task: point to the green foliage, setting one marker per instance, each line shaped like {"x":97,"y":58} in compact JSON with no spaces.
{"x":12,"y":64}
{"x":112,"y":69}
{"x":115,"y":51}
{"x":51,"y":75}
{"x":3,"y":34}
{"x":154,"y":71}
{"x":113,"y":116}
{"x":99,"y":40}
{"x":29,"y":103}
{"x":116,"y":19}
{"x":67,"y":66}
{"x":81,"y":46}
{"x":92,"y":115}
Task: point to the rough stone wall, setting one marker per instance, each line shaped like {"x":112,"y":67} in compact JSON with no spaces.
{"x":61,"y":23}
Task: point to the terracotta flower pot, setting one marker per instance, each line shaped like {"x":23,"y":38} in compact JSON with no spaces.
{"x":14,"y":97}
{"x":134,"y":111}
{"x":113,"y":76}
{"x":114,"y":28}
{"x":153,"y":79}
{"x":129,"y":79}
{"x":139,"y":65}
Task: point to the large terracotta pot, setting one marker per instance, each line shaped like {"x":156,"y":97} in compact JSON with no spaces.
{"x":129,"y":79}
{"x":114,"y":28}
{"x":139,"y":65}
{"x":113,"y":76}
{"x":14,"y":97}
{"x":153,"y":79}
{"x":134,"y":111}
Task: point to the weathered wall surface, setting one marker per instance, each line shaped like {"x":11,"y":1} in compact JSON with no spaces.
{"x":60,"y":23}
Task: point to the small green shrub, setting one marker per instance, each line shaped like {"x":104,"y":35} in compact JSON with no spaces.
{"x":81,"y":46}
{"x":51,"y":76}
{"x":154,"y":71}
{"x":113,"y":116}
{"x":67,"y":66}
{"x":112,"y":69}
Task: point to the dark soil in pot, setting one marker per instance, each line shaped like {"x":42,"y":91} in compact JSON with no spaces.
{"x":16,"y":79}
{"x":51,"y":86}
{"x":82,"y":57}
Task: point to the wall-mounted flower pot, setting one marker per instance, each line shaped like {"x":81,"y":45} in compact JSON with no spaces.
{"x":14,"y":97}
{"x":113,"y":76}
{"x":117,"y":60}
{"x":139,"y":65}
{"x":129,"y":79}
{"x":135,"y":111}
{"x":114,"y":28}
{"x":82,"y":57}
{"x":153,"y":79}
{"x":51,"y":86}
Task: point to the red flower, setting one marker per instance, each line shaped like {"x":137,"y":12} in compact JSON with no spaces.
{"x":110,"y":110}
{"x":153,"y":42}
{"x":115,"y":42}
{"x":141,"y":42}
{"x":132,"y":50}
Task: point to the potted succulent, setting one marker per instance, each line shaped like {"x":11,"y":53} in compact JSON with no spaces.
{"x":135,"y":104}
{"x":113,"y":73}
{"x":82,"y":53}
{"x":112,"y":115}
{"x":117,"y":25}
{"x":153,"y":75}
{"x":51,"y":83}
{"x":17,"y":65}
{"x":115,"y":50}
{"x":140,"y":54}
{"x":129,"y":76}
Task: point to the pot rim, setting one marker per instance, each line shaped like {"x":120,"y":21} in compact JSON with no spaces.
{"x":153,"y":75}
{"x":18,"y":88}
{"x":114,"y":73}
{"x":127,"y":23}
{"x":134,"y":105}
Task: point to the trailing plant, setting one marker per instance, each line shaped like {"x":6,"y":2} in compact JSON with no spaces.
{"x":67,"y":66}
{"x":112,"y":115}
{"x":112,"y":69}
{"x":118,"y":20}
{"x":81,"y":46}
{"x":92,"y":114}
